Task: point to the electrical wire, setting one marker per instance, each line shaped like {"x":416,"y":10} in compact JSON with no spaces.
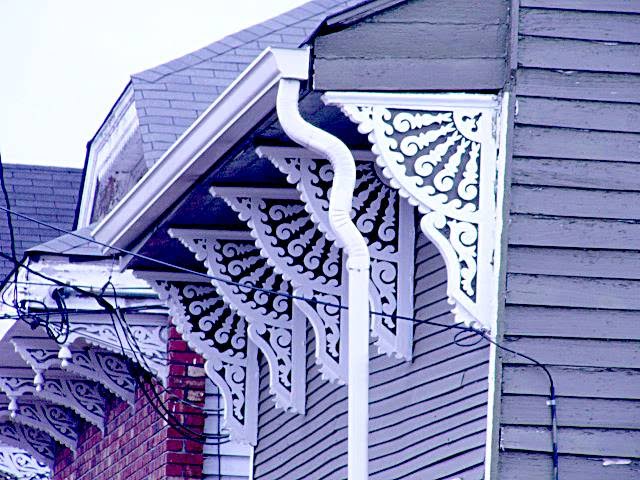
{"x":481,"y":333}
{"x":141,"y":379}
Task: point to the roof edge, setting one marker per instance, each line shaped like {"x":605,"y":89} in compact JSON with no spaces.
{"x":219,"y":127}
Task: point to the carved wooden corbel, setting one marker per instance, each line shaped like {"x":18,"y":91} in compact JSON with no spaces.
{"x":276,"y":325}
{"x":384,"y":220}
{"x":18,"y":464}
{"x":84,"y":397}
{"x":215,"y":331}
{"x":35,"y":442}
{"x":107,"y":368}
{"x":440,"y":153}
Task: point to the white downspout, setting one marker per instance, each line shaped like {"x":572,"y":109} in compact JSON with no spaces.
{"x":355,"y":246}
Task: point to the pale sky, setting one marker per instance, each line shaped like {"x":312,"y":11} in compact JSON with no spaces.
{"x":63,"y":63}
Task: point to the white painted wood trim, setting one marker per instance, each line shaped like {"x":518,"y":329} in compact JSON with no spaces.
{"x":249,"y":97}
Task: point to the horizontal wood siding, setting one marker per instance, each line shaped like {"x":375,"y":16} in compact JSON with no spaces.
{"x":418,"y":45}
{"x":427,"y":417}
{"x":573,"y":266}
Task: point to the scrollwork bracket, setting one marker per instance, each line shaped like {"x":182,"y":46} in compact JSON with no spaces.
{"x":214,"y":330}
{"x":276,"y":325}
{"x":440,"y":152}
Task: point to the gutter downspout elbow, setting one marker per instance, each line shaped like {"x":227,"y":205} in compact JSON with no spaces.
{"x":344,"y":167}
{"x":358,"y":261}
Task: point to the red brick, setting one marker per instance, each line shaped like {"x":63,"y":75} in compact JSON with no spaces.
{"x":137,"y":443}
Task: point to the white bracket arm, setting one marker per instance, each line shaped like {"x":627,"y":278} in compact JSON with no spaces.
{"x":107,"y":368}
{"x":145,"y":344}
{"x":276,"y":325}
{"x":36,"y":442}
{"x":84,"y":397}
{"x":215,"y":331}
{"x":289,"y":240}
{"x":58,"y":422}
{"x":386,"y":223}
{"x":19,"y":465}
{"x":440,"y":152}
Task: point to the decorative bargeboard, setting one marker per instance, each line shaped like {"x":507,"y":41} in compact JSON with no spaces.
{"x":440,"y":152}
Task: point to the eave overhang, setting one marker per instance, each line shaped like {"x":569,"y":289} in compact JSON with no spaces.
{"x":239,"y":108}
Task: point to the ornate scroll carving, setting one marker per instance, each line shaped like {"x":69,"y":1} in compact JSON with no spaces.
{"x":19,"y":465}
{"x":385,"y":221}
{"x":292,"y":243}
{"x":276,"y":326}
{"x":58,"y":422}
{"x":107,"y":368}
{"x":151,"y":340}
{"x":36,"y":442}
{"x":440,"y":153}
{"x":82,"y":396}
{"x":214,"y":330}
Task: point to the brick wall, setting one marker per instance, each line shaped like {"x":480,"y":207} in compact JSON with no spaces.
{"x":137,"y":444}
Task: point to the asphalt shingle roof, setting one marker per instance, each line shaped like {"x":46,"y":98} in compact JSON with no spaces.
{"x":171,"y":96}
{"x":49,"y":194}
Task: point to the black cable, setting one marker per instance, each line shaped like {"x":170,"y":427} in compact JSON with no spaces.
{"x":163,"y":412}
{"x":126,"y":327}
{"x":458,"y":340}
{"x":552,"y":401}
{"x":180,"y":268}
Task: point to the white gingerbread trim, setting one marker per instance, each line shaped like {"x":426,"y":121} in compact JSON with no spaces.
{"x":150,"y":339}
{"x":439,"y":152}
{"x":36,"y":442}
{"x":107,"y":368}
{"x":58,"y":422}
{"x":276,"y":325}
{"x":289,"y":240}
{"x":81,"y":396}
{"x":384,"y":220}
{"x":19,"y":465}
{"x":215,"y":331}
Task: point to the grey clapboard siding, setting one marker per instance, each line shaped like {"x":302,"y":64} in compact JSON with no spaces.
{"x":572,"y":322}
{"x":572,"y":381}
{"x":621,"y":6}
{"x":573,"y":261}
{"x":519,"y":466}
{"x":566,"y":54}
{"x":575,"y":173}
{"x":580,"y":25}
{"x":579,"y":85}
{"x":418,"y":45}
{"x":579,"y":412}
{"x":619,"y":117}
{"x":427,"y":417}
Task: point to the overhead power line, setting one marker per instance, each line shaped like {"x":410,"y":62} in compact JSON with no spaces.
{"x":461,"y":328}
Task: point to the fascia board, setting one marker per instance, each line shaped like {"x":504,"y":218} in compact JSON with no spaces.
{"x":247,"y":100}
